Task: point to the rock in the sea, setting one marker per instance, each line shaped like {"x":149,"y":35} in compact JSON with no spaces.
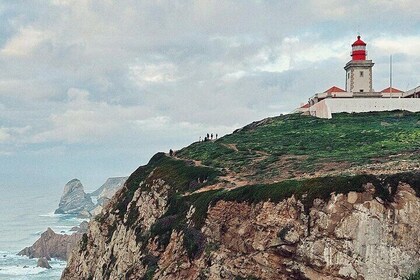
{"x":52,"y":245}
{"x":43,"y":262}
{"x":108,"y":189}
{"x":74,"y":199}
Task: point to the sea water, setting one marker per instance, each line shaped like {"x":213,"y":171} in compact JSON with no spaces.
{"x":25,"y":213}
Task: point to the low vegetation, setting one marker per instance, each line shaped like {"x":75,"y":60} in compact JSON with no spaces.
{"x":305,"y":190}
{"x":306,"y":143}
{"x":413,"y":276}
{"x":182,"y":176}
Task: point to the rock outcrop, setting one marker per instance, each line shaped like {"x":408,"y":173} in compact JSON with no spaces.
{"x":52,"y":245}
{"x":43,"y":262}
{"x":74,"y":199}
{"x":106,"y":192}
{"x":350,"y":235}
{"x":109,"y":188}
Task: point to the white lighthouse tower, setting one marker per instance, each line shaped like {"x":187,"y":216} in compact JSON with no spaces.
{"x":358,"y":69}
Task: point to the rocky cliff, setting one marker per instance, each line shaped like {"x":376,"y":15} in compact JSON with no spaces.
{"x":354,"y":235}
{"x":249,"y":207}
{"x":74,"y":199}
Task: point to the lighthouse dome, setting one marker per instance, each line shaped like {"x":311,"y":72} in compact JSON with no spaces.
{"x":358,"y":42}
{"x":358,"y":50}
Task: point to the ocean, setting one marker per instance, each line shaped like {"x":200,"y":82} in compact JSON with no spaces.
{"x":25,"y":213}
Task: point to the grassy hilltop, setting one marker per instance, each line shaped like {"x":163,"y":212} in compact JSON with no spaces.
{"x":293,"y":145}
{"x":282,"y":156}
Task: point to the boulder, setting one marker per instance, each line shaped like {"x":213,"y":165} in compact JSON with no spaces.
{"x":43,"y":262}
{"x":74,"y":199}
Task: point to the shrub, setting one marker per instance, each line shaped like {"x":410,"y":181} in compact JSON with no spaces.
{"x":83,"y":242}
{"x":194,"y":242}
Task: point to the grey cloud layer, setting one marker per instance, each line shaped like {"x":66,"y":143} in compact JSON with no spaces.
{"x":101,"y":73}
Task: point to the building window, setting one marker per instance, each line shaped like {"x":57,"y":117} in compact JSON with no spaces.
{"x":361,"y":73}
{"x":348,"y":75}
{"x":361,"y":90}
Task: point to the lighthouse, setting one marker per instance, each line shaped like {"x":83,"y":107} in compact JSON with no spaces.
{"x":359,"y":69}
{"x":359,"y":95}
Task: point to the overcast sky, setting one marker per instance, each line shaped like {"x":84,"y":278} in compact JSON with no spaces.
{"x":92,"y":89}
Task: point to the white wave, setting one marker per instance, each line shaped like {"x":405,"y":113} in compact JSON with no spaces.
{"x":4,"y":255}
{"x":21,"y":270}
{"x":50,"y":215}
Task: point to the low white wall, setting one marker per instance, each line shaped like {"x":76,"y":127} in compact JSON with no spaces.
{"x":329,"y":106}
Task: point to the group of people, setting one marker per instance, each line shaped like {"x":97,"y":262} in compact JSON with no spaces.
{"x":208,"y":137}
{"x":171,"y":153}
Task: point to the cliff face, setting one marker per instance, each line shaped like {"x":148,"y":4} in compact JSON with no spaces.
{"x":268,"y":202}
{"x":349,"y":236}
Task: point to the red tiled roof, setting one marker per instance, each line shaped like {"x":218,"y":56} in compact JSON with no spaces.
{"x":388,"y":90}
{"x":334,"y":89}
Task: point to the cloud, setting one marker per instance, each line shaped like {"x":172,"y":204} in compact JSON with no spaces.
{"x":24,"y":42}
{"x":84,"y":120}
{"x":408,"y":45}
{"x":153,"y":73}
{"x":97,"y":77}
{"x":4,"y":135}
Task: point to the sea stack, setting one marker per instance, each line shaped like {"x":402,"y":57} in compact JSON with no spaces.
{"x":52,"y":245}
{"x":74,"y":199}
{"x":43,"y":262}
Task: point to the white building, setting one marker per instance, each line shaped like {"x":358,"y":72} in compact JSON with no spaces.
{"x":359,"y":95}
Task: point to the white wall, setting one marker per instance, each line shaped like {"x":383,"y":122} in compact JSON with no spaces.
{"x":329,"y":106}
{"x":362,"y":83}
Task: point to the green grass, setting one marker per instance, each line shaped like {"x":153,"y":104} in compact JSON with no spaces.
{"x":352,"y":138}
{"x":180,"y":175}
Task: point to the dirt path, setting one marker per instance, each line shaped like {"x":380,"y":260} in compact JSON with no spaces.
{"x":231,"y":146}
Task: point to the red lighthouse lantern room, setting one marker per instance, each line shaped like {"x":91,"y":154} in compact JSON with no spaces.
{"x":358,"y":51}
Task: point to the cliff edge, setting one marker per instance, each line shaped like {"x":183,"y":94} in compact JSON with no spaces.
{"x":291,"y":197}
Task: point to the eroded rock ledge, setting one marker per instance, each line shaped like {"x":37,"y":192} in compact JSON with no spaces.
{"x":52,"y":245}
